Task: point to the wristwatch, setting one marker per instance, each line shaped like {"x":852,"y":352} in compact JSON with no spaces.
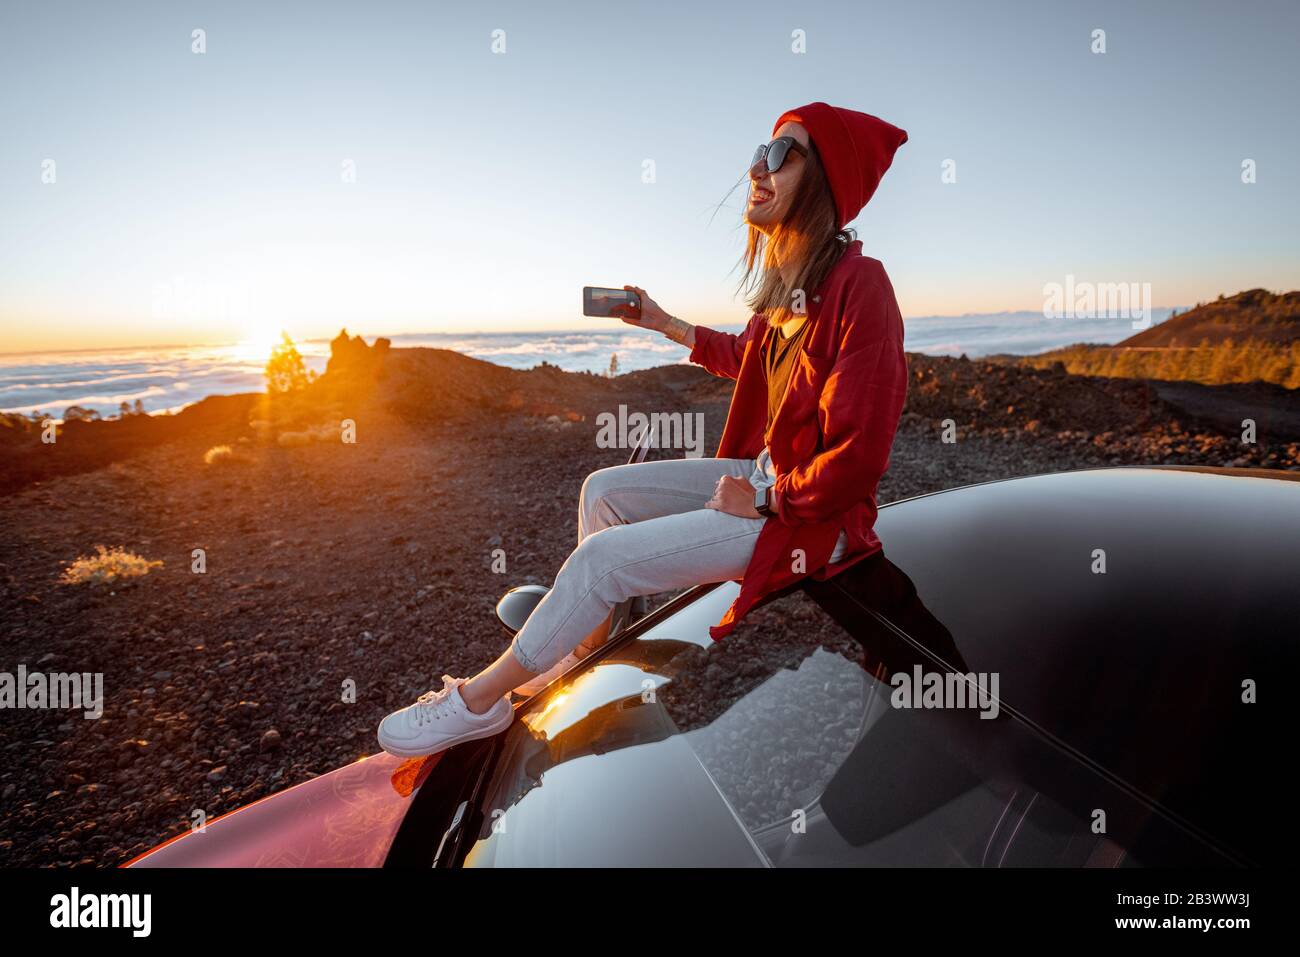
{"x":764,"y":501}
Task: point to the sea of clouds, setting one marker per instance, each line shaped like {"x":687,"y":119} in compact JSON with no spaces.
{"x":169,"y":378}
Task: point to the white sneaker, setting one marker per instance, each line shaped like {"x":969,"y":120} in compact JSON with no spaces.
{"x":530,"y":688}
{"x":440,"y":720}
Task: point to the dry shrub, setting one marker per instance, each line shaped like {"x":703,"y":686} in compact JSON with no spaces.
{"x":107,"y":565}
{"x":223,"y":455}
{"x":294,"y":440}
{"x":315,"y":433}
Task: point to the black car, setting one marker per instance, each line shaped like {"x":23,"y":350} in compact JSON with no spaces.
{"x":1060,"y":670}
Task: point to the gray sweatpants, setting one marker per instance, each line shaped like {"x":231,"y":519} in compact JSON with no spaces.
{"x":642,"y":529}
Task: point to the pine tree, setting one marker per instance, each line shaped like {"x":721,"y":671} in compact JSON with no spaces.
{"x":285,"y":370}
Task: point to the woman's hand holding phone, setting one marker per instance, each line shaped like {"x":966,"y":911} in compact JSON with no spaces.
{"x":651,"y":316}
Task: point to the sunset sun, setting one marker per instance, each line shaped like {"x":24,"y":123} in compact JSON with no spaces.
{"x":258,"y":339}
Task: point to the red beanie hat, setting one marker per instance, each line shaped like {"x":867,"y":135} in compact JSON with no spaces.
{"x":855,"y":149}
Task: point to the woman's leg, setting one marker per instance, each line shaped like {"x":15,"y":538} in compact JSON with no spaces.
{"x":672,"y":542}
{"x":614,"y":499}
{"x":610,"y":566}
{"x":623,"y":494}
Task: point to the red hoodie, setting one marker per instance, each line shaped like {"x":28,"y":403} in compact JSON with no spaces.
{"x":832,"y":433}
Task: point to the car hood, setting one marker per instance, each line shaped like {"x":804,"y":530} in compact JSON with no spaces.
{"x":346,"y":818}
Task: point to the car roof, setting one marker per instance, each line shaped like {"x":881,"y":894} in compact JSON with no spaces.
{"x":1128,"y":612}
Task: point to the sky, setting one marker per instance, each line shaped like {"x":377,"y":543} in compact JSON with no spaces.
{"x":204,"y":198}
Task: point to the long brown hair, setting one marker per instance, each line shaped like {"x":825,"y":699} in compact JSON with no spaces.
{"x":809,"y":236}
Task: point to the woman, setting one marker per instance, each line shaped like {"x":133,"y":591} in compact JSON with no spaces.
{"x":820,"y":382}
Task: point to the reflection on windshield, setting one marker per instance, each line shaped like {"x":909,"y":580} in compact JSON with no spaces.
{"x":797,"y":729}
{"x":763,"y":749}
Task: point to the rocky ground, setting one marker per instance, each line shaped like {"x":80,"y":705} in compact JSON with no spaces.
{"x":371,"y":563}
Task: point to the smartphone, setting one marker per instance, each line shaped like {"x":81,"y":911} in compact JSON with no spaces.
{"x":599,"y":301}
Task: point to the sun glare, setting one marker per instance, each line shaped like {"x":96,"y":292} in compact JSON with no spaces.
{"x":258,"y":341}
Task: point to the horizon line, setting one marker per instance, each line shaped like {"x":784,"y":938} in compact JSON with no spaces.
{"x":467,"y":332}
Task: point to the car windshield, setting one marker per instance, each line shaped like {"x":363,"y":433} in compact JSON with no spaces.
{"x":780,"y":747}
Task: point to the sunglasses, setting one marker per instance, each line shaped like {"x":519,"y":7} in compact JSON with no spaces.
{"x":775,"y":153}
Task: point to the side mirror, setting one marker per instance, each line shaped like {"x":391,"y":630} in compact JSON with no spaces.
{"x":517,"y":604}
